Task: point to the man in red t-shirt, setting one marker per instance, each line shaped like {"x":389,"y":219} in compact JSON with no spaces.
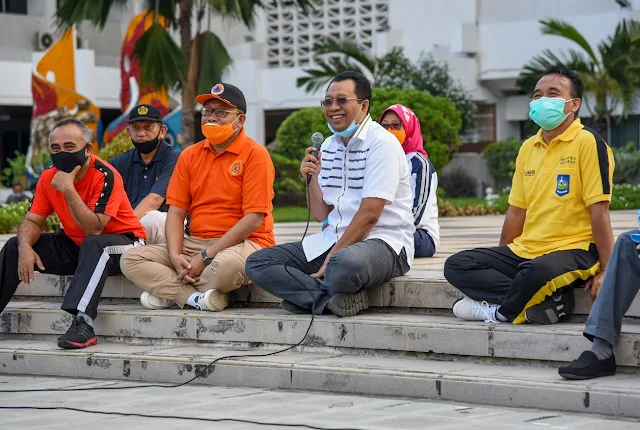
{"x":98,"y":223}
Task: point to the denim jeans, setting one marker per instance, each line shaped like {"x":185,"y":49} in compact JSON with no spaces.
{"x":284,"y":271}
{"x":619,"y":288}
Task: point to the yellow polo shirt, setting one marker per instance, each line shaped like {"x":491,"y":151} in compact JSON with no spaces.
{"x":556,"y":183}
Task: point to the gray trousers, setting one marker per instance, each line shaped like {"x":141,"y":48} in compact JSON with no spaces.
{"x":619,"y":288}
{"x":366,"y":264}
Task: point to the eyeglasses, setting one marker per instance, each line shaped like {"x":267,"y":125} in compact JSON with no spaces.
{"x":135,"y":128}
{"x":393,"y":126}
{"x":220,"y":113}
{"x":327,"y":103}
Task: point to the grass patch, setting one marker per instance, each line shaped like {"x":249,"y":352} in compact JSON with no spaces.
{"x":464,"y":201}
{"x":290,"y":214}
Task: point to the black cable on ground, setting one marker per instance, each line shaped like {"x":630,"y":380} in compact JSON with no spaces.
{"x":198,"y":375}
{"x":173,"y":417}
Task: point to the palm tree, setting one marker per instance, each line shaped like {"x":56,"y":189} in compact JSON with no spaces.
{"x":197,"y":62}
{"x":611,"y":72}
{"x":333,"y":56}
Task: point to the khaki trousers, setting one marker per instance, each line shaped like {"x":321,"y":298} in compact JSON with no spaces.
{"x":150,"y":268}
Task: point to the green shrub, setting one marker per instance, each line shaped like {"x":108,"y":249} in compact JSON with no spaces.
{"x":119,"y":145}
{"x":501,"y":204}
{"x":501,"y":158}
{"x":288,"y":185}
{"x":15,"y":171}
{"x":294,"y":134}
{"x":12,"y":215}
{"x":457,"y":183}
{"x":439,"y":119}
{"x":625,"y":197}
{"x":627,"y":169}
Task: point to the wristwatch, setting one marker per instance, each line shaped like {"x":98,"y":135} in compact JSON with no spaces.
{"x":206,"y":258}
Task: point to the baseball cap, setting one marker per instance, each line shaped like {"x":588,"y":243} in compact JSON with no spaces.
{"x":227,"y":93}
{"x":145,"y":112}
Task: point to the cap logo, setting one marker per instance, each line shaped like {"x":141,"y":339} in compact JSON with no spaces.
{"x":142,"y":110}
{"x":217,"y":89}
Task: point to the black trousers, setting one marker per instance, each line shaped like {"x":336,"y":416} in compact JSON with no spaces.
{"x":89,"y":263}
{"x":499,"y":276}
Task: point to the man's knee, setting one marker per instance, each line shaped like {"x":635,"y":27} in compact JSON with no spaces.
{"x":344,"y":271}
{"x":153,"y":220}
{"x":12,"y":244}
{"x":458,"y":263}
{"x":130,"y":259}
{"x":228,"y":271}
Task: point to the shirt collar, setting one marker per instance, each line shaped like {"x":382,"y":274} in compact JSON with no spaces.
{"x":567,"y":136}
{"x":234,"y":148}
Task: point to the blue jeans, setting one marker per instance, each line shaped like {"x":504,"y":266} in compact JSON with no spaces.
{"x":619,"y":288}
{"x":284,"y":271}
{"x":423,"y":244}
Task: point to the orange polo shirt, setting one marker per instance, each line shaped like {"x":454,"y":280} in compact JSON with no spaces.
{"x":219,"y":189}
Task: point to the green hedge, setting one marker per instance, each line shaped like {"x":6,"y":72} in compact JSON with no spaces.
{"x":12,"y":215}
{"x":501,"y":158}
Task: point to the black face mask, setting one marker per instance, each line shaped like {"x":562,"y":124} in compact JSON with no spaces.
{"x":67,"y":161}
{"x":148,"y":146}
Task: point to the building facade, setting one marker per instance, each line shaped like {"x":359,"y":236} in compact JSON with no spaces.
{"x":485,"y":42}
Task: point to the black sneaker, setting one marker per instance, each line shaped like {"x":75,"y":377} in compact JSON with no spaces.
{"x":293,"y":308}
{"x":80,"y":335}
{"x":551,"y":309}
{"x":588,"y":366}
{"x":348,"y":305}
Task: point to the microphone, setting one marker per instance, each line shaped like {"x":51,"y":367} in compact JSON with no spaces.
{"x":316,"y":140}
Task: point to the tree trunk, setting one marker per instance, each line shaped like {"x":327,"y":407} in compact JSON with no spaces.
{"x":188,"y":91}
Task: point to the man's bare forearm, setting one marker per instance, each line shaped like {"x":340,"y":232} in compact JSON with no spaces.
{"x":28,"y":233}
{"x":238,"y":233}
{"x":174,"y":232}
{"x":86,"y":219}
{"x":602,"y":233}
{"x":319,"y":209}
{"x":513,"y":225}
{"x":150,"y":203}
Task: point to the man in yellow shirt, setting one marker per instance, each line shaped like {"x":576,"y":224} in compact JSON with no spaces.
{"x":557,"y":233}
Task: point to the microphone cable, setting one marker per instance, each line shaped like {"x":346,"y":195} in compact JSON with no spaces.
{"x":199,"y":374}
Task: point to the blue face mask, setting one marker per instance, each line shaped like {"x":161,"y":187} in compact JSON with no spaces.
{"x":18,"y":195}
{"x":347,"y":132}
{"x":548,"y":112}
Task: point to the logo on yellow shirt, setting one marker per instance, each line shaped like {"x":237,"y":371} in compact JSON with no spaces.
{"x":562,"y":187}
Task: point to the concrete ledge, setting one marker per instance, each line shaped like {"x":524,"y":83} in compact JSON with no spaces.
{"x":420,"y":289}
{"x":513,"y":386}
{"x":369,"y":332}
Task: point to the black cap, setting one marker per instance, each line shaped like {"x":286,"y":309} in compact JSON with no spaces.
{"x":227,"y":93}
{"x":145,"y":113}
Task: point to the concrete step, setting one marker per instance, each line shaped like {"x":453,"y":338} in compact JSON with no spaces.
{"x":513,"y":386}
{"x":419,"y":289}
{"x":368,"y":333}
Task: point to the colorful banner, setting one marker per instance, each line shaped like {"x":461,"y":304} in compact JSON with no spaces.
{"x":53,"y":86}
{"x":131,"y":94}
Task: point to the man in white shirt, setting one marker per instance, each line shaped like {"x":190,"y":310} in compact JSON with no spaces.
{"x":360,"y":181}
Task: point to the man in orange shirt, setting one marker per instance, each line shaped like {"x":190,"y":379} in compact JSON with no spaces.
{"x":225,"y":184}
{"x":98,"y":222}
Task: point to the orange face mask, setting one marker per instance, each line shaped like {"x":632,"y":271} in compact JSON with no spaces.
{"x":401,"y":135}
{"x":217,"y":134}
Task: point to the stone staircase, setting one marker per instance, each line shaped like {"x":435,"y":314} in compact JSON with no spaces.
{"x":407,"y":345}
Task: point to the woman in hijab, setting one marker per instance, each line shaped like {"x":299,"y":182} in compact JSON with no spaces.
{"x":404,"y":125}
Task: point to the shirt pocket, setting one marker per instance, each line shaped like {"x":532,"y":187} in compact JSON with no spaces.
{"x":564,"y":184}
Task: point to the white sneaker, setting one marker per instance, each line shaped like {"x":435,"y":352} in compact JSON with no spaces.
{"x":150,"y":301}
{"x":212,"y":300}
{"x":471,"y":310}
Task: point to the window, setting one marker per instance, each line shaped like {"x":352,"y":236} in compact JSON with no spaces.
{"x":13,"y":6}
{"x":484,"y":131}
{"x":291,"y":34}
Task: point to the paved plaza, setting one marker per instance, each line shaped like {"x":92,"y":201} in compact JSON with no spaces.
{"x":325,"y":411}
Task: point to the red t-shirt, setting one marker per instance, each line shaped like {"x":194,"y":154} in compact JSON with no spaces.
{"x":101,"y":189}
